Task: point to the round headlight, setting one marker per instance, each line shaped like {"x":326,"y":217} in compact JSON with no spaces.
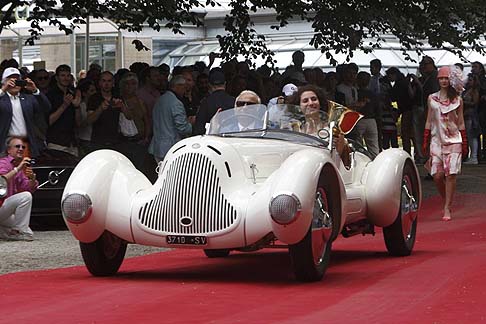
{"x":3,"y":186}
{"x":284,"y":209}
{"x":76,"y":208}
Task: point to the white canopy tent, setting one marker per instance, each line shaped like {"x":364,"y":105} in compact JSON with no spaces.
{"x":390,"y":54}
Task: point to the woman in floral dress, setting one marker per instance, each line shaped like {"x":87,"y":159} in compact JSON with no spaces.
{"x":446,"y":132}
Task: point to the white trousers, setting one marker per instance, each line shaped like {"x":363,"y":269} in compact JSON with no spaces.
{"x":15,"y":212}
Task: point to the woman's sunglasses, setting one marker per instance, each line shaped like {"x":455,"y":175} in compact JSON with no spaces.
{"x":20,"y":146}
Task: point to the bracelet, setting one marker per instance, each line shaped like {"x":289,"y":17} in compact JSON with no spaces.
{"x":16,"y":170}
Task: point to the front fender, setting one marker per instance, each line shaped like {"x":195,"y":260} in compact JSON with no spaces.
{"x":383,"y":182}
{"x":299,"y":175}
{"x":111,"y":181}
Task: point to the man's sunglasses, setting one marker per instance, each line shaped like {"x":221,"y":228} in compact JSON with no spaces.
{"x":244,"y":103}
{"x":20,"y":146}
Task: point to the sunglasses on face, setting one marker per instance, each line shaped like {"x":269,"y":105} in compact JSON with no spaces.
{"x":244,"y":103}
{"x":18,"y":146}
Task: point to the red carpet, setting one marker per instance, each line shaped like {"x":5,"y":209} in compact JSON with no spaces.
{"x":442,"y":282}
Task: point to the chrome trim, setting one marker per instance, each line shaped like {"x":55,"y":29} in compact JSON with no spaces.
{"x":49,"y":180}
{"x":321,"y":227}
{"x":286,"y":193}
{"x":253,"y":168}
{"x":409,"y":208}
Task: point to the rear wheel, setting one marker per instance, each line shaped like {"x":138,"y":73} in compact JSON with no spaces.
{"x":310,"y":256}
{"x":104,"y":256}
{"x":217,"y":253}
{"x":400,"y":236}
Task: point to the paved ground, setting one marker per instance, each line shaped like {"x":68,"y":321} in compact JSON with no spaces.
{"x":441,"y":282}
{"x":54,"y":249}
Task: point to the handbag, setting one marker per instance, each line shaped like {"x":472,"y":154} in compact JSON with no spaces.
{"x":127,"y":126}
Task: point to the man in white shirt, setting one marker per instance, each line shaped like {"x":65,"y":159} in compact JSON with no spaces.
{"x":17,"y":109}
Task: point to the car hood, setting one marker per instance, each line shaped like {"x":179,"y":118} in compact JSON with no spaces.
{"x":258,"y":158}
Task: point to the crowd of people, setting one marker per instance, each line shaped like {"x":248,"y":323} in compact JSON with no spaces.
{"x":143,"y":110}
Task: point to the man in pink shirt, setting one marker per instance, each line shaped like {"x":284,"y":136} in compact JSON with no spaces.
{"x":15,"y":208}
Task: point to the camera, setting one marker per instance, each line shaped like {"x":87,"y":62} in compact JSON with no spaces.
{"x":20,"y":83}
{"x":31,"y":162}
{"x":110,"y":104}
{"x":70,"y":91}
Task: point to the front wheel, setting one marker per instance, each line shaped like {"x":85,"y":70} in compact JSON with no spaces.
{"x":104,"y":256}
{"x":400,"y":236}
{"x":310,"y":256}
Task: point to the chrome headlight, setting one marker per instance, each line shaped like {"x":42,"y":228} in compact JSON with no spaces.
{"x":3,"y":186}
{"x":76,"y":208}
{"x":285,"y":208}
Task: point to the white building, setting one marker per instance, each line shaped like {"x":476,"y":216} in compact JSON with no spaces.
{"x":113,"y":49}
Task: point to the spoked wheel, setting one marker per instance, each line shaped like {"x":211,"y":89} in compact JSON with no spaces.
{"x":217,"y":253}
{"x":104,"y":256}
{"x":400,"y":236}
{"x":310,"y":256}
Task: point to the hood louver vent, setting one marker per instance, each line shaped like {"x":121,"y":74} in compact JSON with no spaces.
{"x":191,"y":189}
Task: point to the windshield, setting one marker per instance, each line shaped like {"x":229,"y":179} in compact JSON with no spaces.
{"x":239,"y":119}
{"x":282,"y":121}
{"x":296,"y":119}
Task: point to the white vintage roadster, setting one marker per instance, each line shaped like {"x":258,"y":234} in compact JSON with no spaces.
{"x":254,"y":181}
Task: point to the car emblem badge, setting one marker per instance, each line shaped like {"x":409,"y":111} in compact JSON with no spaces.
{"x":186,"y":221}
{"x":196,"y":145}
{"x":53,"y":177}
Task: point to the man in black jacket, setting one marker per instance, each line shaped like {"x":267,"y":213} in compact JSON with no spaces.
{"x":17,"y":109}
{"x":218,"y":99}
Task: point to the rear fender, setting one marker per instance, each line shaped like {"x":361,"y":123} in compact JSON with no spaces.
{"x":383,"y":182}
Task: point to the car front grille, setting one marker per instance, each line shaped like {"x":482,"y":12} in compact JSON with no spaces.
{"x":190,"y":200}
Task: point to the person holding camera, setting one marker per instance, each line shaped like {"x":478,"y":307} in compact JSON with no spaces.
{"x":21,"y":182}
{"x":62,"y":118}
{"x":18,"y":109}
{"x":104,"y":114}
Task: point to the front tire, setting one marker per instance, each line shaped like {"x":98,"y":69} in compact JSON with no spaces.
{"x":400,"y":236}
{"x":310,"y":256}
{"x":104,"y":256}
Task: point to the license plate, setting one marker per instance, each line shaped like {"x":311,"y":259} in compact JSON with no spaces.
{"x":186,"y":240}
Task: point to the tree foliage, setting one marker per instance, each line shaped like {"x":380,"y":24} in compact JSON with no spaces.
{"x":341,"y":26}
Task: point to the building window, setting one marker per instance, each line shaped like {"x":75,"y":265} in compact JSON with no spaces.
{"x":102,"y":50}
{"x":163,"y":47}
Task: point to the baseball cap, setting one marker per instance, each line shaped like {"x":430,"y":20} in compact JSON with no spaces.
{"x":289,"y":89}
{"x":9,"y":72}
{"x":216,"y":77}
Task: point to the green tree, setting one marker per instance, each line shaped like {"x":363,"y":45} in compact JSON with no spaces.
{"x":341,"y":26}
